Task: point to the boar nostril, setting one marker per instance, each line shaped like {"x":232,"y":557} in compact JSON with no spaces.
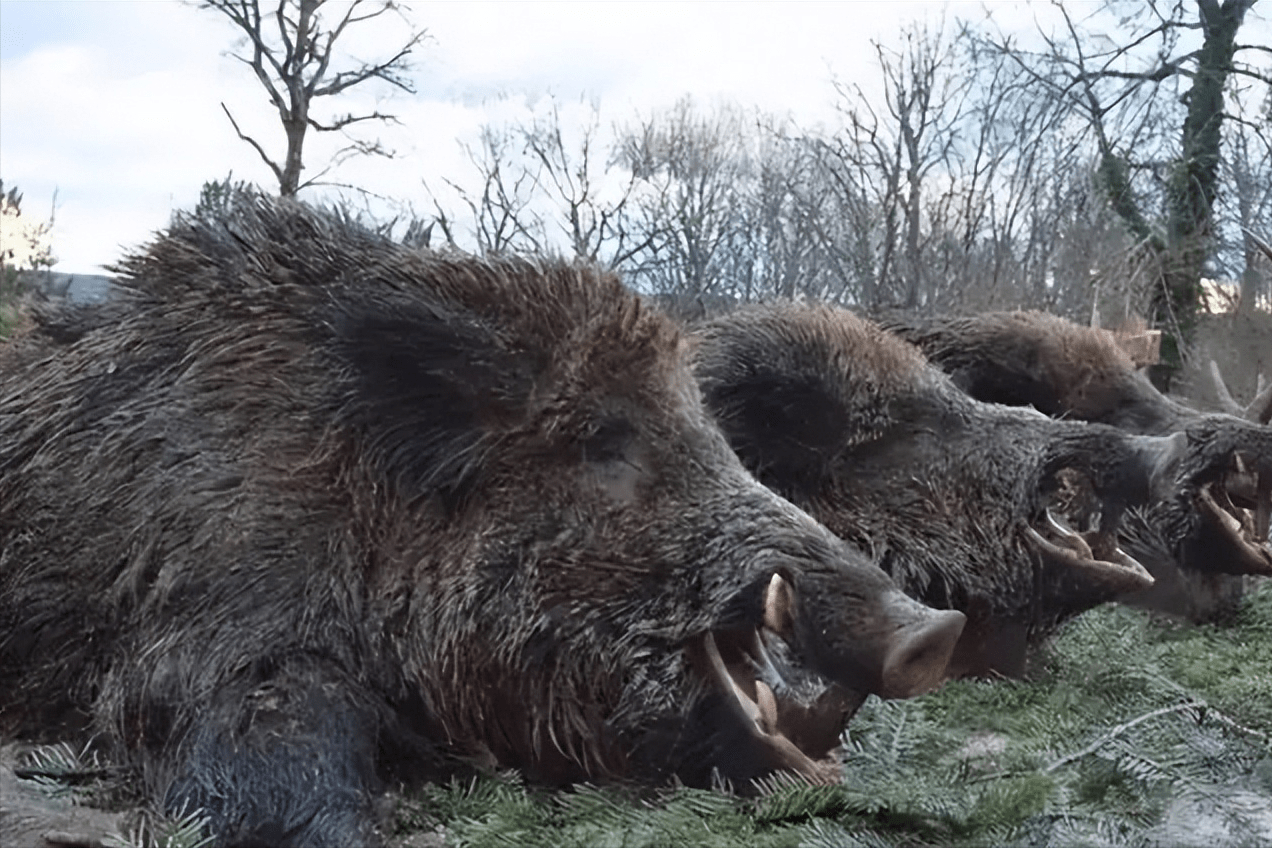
{"x":917,"y":660}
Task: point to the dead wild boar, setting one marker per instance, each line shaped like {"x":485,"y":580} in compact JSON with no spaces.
{"x":952,"y":497}
{"x":304,"y":511}
{"x":1193,"y":546}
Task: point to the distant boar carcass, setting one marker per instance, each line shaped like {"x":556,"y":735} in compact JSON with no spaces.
{"x":304,"y":510}
{"x":952,"y":497}
{"x":1193,"y":545}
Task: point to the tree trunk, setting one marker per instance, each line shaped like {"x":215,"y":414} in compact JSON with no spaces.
{"x":289,"y":179}
{"x":1190,"y":235}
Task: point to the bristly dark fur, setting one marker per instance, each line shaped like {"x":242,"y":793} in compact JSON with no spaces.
{"x":1066,"y":370}
{"x":306,"y":510}
{"x":1056,"y":366}
{"x":854,"y":426}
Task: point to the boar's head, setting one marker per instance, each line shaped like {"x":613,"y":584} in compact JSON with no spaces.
{"x":950,"y":496}
{"x":305,"y":508}
{"x":627,"y":574}
{"x":1216,"y":527}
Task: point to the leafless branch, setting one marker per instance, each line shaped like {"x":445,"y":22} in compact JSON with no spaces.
{"x":256,"y":145}
{"x":293,"y":65}
{"x":1099,"y":743}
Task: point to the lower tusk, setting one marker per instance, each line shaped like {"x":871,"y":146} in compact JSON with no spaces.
{"x":767,"y":704}
{"x":1123,"y":575}
{"x":1068,"y":538}
{"x":1229,"y":522}
{"x":749,"y":707}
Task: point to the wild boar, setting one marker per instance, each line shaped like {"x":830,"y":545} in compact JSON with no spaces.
{"x":959,"y":501}
{"x":302,"y":511}
{"x":1193,"y":546}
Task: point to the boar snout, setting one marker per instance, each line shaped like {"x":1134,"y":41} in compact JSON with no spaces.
{"x":919,"y":654}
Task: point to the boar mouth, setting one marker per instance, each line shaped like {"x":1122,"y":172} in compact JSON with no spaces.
{"x":797,"y":722}
{"x":1235,"y":511}
{"x":1092,"y":555}
{"x":795,"y":713}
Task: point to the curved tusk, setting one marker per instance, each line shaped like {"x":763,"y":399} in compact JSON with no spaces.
{"x":1126,"y":575}
{"x":779,"y":605}
{"x":1226,"y":519}
{"x":766,"y":703}
{"x":1068,"y":538}
{"x":749,"y":707}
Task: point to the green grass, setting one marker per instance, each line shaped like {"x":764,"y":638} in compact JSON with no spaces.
{"x":1132,"y":730}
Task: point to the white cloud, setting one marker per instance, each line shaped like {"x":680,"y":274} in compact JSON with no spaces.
{"x":115,"y":105}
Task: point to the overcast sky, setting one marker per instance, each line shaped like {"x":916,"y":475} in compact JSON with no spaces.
{"x":115,"y":104}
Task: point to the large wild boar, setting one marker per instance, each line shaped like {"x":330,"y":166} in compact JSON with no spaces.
{"x":954,"y":498}
{"x":305,"y":510}
{"x":1193,"y":545}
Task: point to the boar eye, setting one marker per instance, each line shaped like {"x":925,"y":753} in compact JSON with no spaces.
{"x":608,"y":441}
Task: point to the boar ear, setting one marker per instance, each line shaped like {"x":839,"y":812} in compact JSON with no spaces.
{"x":429,"y":391}
{"x":787,"y":431}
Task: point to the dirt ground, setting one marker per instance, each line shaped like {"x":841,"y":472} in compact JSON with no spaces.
{"x":33,"y":818}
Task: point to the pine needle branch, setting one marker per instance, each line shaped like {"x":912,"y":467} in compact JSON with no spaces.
{"x":1118,"y":731}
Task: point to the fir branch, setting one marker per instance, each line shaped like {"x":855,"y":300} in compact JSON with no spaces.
{"x":1118,"y":731}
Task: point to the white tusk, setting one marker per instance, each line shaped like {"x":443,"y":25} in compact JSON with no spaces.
{"x":779,"y":603}
{"x":767,"y":704}
{"x":717,"y":666}
{"x":1069,"y":538}
{"x":1226,"y":518}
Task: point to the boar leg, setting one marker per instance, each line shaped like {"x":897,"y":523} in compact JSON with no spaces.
{"x":291,"y":763}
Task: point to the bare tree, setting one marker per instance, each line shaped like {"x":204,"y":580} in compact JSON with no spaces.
{"x":1152,"y":99}
{"x":291,"y":51}
{"x":694,"y":171}
{"x":1247,"y":176}
{"x":946,"y":177}
{"x":545,"y":186}
{"x":573,"y":176}
{"x":502,"y":211}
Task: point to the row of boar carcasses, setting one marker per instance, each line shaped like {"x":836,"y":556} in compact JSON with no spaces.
{"x":303,"y":511}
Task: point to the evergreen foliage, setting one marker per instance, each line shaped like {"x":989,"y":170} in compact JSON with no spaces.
{"x":183,"y":831}
{"x":1132,"y":730}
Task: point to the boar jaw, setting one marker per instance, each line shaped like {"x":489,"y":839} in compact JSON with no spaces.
{"x":1242,"y":532}
{"x":1094,"y":555}
{"x":797,"y":713}
{"x":776,"y":720}
{"x":1224,"y":484}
